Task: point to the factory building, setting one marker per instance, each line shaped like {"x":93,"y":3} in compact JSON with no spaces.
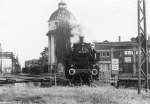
{"x":126,"y":52}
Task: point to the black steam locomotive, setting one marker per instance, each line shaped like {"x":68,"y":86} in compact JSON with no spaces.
{"x":80,"y":65}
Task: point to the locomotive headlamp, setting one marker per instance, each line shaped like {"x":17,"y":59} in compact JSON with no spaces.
{"x":72,"y":65}
{"x":94,"y":72}
{"x":72,"y":71}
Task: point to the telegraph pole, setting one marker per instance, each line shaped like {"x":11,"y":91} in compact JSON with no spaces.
{"x":142,"y":46}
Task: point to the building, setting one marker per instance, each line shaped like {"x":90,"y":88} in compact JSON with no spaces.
{"x":32,"y":66}
{"x":126,"y":52}
{"x":59,"y":33}
{"x":9,"y":63}
{"x":29,"y":63}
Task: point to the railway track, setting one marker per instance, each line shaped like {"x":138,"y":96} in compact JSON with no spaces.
{"x":53,"y":80}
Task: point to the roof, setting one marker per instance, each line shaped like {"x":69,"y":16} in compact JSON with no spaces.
{"x":121,"y":45}
{"x":125,"y":43}
{"x":61,"y":13}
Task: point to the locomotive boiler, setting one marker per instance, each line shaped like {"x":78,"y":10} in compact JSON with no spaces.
{"x":80,"y":65}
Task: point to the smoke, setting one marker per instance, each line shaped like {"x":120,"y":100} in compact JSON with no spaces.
{"x":76,"y":32}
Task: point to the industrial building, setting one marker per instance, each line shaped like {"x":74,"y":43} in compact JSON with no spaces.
{"x":8,"y":62}
{"x":126,"y":52}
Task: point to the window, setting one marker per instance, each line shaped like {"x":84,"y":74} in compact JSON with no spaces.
{"x":107,"y":54}
{"x":104,"y":54}
{"x":101,"y":54}
{"x":128,"y":52}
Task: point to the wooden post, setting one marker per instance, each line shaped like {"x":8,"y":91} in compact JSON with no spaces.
{"x":112,"y":56}
{"x":55,"y":79}
{"x":134,"y":61}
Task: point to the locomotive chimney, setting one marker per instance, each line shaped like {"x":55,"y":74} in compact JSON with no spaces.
{"x":81,"y":39}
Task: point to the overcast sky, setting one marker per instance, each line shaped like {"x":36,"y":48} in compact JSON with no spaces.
{"x":24,"y":23}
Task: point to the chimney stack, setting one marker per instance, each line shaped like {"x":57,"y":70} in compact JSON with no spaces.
{"x":119,"y":38}
{"x":81,"y":39}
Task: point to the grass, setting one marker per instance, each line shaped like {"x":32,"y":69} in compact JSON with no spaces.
{"x":71,"y":95}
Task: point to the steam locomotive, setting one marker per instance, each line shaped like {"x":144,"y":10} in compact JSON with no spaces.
{"x":80,"y":64}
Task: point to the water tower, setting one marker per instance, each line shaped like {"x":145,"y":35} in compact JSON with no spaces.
{"x":59,"y":33}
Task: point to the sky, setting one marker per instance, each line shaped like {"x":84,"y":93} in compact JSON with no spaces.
{"x":24,"y":23}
